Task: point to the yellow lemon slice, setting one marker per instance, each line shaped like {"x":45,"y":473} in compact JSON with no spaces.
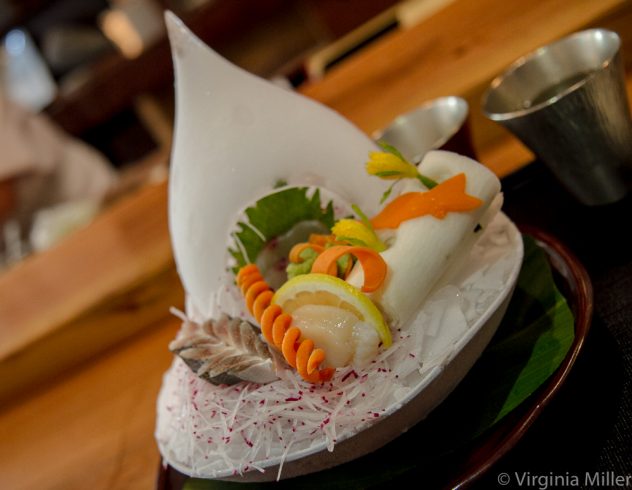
{"x":323,"y":289}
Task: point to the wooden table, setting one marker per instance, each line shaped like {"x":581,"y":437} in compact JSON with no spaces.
{"x":92,"y":427}
{"x":458,"y":52}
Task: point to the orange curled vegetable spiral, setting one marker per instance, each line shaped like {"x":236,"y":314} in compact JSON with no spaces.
{"x":295,"y":252}
{"x":277,"y":328}
{"x":372,"y":263}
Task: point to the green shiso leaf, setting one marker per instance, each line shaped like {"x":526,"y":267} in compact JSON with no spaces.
{"x":532,"y":341}
{"x":274,"y":215}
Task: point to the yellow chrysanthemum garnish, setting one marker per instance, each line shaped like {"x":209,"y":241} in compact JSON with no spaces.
{"x":390,"y":166}
{"x":358,"y":232}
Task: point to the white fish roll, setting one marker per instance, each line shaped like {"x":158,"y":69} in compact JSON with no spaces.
{"x":424,"y":248}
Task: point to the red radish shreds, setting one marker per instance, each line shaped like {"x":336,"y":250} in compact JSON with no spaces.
{"x":272,"y":418}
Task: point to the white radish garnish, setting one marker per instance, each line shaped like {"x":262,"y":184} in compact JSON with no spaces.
{"x":423,"y":249}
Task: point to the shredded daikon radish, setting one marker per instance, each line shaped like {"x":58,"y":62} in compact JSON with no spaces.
{"x":218,"y":431}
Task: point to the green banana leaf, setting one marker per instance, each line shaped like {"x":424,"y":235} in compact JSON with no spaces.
{"x":530,"y":344}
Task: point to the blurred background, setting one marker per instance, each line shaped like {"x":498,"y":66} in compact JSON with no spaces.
{"x":86,"y":90}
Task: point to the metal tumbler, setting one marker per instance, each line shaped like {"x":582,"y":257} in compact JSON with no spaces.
{"x":567,"y":102}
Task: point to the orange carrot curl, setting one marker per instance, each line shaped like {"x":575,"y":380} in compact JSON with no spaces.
{"x":295,"y":252}
{"x":277,"y":329}
{"x":372,"y":263}
{"x":322,"y":240}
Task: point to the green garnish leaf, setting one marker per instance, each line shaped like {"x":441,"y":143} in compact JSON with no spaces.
{"x":391,"y":149}
{"x":352,"y":241}
{"x":342,"y":263}
{"x":388,"y":192}
{"x":387,"y":173}
{"x":363,"y":217}
{"x":427,"y":181}
{"x":274,"y":215}
{"x":533,"y":339}
{"x":309,"y":256}
{"x":247,"y":242}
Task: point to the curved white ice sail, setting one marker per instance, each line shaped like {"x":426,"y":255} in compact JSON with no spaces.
{"x":235,"y":136}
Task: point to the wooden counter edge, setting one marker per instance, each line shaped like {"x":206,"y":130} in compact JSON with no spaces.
{"x":54,"y":315}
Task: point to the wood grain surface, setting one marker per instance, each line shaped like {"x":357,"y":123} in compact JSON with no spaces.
{"x":96,"y":288}
{"x":459,"y":51}
{"x":92,"y":426}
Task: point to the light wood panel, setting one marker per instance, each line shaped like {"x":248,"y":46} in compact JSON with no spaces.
{"x":458,"y":51}
{"x":99,"y":286}
{"x":92,"y":428}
